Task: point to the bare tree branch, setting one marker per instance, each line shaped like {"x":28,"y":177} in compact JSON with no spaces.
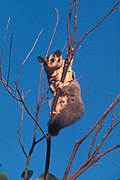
{"x":19,"y":129}
{"x":78,"y":143}
{"x":113,"y":114}
{"x":98,"y":128}
{"x":109,"y":150}
{"x":3,"y":44}
{"x":32,"y":47}
{"x":90,"y":162}
{"x":29,"y":111}
{"x":94,"y":27}
{"x":55,"y":28}
{"x":20,"y":69}
{"x":9,"y":89}
{"x":75,"y":23}
{"x":64,"y":46}
{"x":106,"y":135}
{"x":9,"y":63}
{"x":69,"y":22}
{"x":28,"y":156}
{"x":96,"y":155}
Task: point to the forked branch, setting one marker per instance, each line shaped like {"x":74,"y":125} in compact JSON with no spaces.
{"x":78,"y":143}
{"x":94,"y":27}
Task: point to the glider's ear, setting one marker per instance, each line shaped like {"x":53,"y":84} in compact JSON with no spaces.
{"x":57,"y":53}
{"x":41,"y":59}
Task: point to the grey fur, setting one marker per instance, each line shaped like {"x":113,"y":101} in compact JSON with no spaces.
{"x":72,"y":111}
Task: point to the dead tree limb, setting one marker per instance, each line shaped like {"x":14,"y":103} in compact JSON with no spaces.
{"x":29,"y":53}
{"x":16,"y":94}
{"x":78,"y":143}
{"x":9,"y":62}
{"x":69,"y":22}
{"x":34,"y":142}
{"x":3,"y":44}
{"x":94,"y":27}
{"x":93,"y":160}
{"x":29,"y":113}
{"x":54,"y":31}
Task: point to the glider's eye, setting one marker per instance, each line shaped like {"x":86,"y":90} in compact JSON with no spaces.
{"x":52,"y":60}
{"x":59,"y":60}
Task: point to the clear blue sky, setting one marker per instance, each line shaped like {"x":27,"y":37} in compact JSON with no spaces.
{"x":99,"y":63}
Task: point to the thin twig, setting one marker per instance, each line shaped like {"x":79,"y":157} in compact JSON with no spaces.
{"x":84,"y":166}
{"x":40,"y":139}
{"x":106,"y":135}
{"x":94,"y":27}
{"x":42,"y":97}
{"x":9,"y":89}
{"x":86,"y":91}
{"x":41,"y":84}
{"x":112,"y":112}
{"x":3,"y":44}
{"x":69,"y":22}
{"x":3,"y":81}
{"x":78,"y":143}
{"x":36,"y":117}
{"x":55,"y":28}
{"x":109,"y":150}
{"x":19,"y":129}
{"x":98,"y":128}
{"x":93,"y":141}
{"x":96,"y":153}
{"x":32,"y":47}
{"x":64,"y":46}
{"x":75,"y":23}
{"x":32,"y":117}
{"x":26,"y":58}
{"x":9,"y":62}
{"x":92,"y":161}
